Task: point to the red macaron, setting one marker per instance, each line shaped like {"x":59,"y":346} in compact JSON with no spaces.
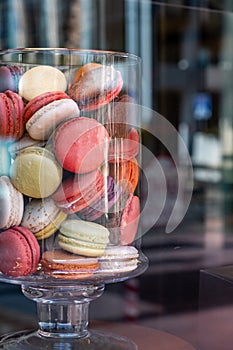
{"x":11,"y":111}
{"x":19,"y":252}
{"x":77,"y":192}
{"x":80,"y":144}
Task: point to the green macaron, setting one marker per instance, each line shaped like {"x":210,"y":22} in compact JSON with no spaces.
{"x":36,"y":173}
{"x":83,"y":237}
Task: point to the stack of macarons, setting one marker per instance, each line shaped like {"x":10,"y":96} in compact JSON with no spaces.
{"x":73,"y":175}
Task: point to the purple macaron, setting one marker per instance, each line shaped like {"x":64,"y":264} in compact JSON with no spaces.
{"x":101,"y":205}
{"x":9,"y":78}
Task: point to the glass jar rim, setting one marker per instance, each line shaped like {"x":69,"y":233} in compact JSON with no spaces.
{"x":61,"y":50}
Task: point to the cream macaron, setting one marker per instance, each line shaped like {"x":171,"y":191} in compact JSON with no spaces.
{"x":11,"y":204}
{"x":118,"y":259}
{"x":42,"y":217}
{"x":40,"y":79}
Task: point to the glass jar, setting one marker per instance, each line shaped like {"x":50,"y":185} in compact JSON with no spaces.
{"x":69,"y":186}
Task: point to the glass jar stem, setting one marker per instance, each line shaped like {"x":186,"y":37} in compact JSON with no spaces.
{"x":63,"y":319}
{"x":63,"y":311}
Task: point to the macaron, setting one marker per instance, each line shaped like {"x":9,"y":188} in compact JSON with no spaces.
{"x":77,"y":192}
{"x":40,"y":79}
{"x":11,"y":204}
{"x":121,"y":149}
{"x":120,"y":116}
{"x":80,"y":144}
{"x":125,"y":173}
{"x":118,"y":259}
{"x":44,"y":112}
{"x":124,"y":220}
{"x":95,"y":85}
{"x":61,"y":264}
{"x":19,"y":252}
{"x":42,"y":217}
{"x":130,"y":220}
{"x":9,"y":78}
{"x":11,"y":111}
{"x":35,"y":172}
{"x":83,"y":237}
{"x":103,"y":204}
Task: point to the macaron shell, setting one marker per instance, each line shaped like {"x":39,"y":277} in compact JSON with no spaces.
{"x":81,"y":247}
{"x":130,"y":220}
{"x":80,"y":144}
{"x":36,"y":173}
{"x":120,"y":252}
{"x":41,"y":79}
{"x":44,"y":121}
{"x":85,"y":230}
{"x":10,"y":213}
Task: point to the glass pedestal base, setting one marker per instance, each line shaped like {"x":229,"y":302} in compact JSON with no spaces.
{"x":94,"y":340}
{"x":63,"y":322}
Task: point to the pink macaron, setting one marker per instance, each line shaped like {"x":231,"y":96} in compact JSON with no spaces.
{"x":11,"y":111}
{"x":19,"y":252}
{"x":130,"y":220}
{"x":80,"y":144}
{"x":44,"y":112}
